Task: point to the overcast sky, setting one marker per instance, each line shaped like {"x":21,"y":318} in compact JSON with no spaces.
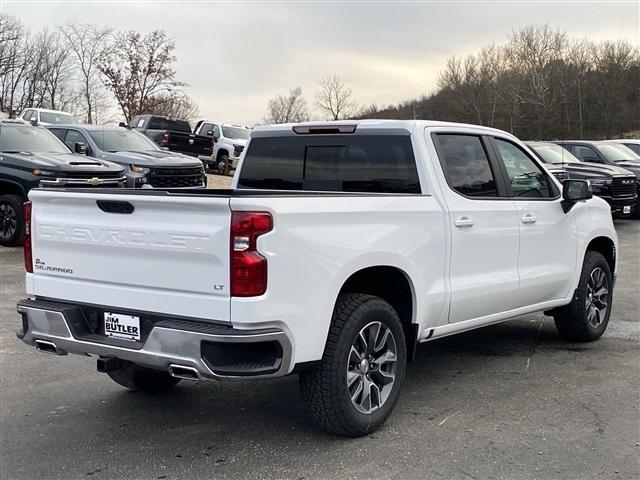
{"x":236,"y":55}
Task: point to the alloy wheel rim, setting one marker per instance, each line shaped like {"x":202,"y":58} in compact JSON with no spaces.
{"x":371,"y":367}
{"x":596,"y":302}
{"x":8,"y":221}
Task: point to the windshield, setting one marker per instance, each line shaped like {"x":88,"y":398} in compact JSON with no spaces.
{"x":57,"y":118}
{"x":25,"y":138}
{"x":122,"y":140}
{"x":554,"y":154}
{"x":236,"y":132}
{"x":616,"y":153}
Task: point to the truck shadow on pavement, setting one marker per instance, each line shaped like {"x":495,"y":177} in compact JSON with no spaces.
{"x":244,"y":409}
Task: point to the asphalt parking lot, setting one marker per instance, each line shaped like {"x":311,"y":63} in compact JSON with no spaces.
{"x":510,"y":401}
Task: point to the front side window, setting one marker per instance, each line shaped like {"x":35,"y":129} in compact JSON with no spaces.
{"x":466,"y":165}
{"x":527,"y":179}
{"x":206,"y":130}
{"x":337,"y":163}
{"x":72,"y":138}
{"x":584,"y":153}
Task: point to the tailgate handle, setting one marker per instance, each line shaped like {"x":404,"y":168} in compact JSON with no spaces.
{"x":111,"y":206}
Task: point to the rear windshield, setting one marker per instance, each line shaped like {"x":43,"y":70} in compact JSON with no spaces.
{"x":161,"y":123}
{"x":336,"y":163}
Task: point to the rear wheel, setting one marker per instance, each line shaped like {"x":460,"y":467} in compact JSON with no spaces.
{"x":135,"y":377}
{"x":11,"y":221}
{"x":585,"y":319}
{"x":222,"y":164}
{"x":356,"y":385}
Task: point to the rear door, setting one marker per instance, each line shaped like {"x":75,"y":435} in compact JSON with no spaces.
{"x":484,"y":229}
{"x":149,"y":251}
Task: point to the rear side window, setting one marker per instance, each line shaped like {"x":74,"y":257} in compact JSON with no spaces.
{"x":337,"y":163}
{"x":466,"y":165}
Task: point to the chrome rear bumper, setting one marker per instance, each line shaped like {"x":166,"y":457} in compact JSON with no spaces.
{"x":210,"y":350}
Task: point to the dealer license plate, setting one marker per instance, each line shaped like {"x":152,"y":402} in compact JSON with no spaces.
{"x":126,"y":327}
{"x":626,"y":209}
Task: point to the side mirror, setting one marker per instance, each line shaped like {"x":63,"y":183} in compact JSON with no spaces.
{"x":33,"y":122}
{"x":122,"y":124}
{"x":209,"y":133}
{"x":574,"y":191}
{"x":215,"y":139}
{"x":80,"y":148}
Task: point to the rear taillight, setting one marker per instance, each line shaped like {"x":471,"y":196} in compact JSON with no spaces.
{"x":248,"y":267}
{"x":165,"y":138}
{"x":28,"y":258}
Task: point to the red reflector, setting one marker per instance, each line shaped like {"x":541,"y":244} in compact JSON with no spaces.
{"x":28,"y":257}
{"x":248,"y":267}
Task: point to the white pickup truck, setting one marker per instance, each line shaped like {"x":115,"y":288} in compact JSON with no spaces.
{"x":340,"y":247}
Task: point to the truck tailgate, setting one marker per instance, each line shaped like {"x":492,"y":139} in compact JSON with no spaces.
{"x":169,"y":255}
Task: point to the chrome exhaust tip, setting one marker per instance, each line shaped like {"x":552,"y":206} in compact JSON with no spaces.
{"x":185,"y":373}
{"x":48,"y":347}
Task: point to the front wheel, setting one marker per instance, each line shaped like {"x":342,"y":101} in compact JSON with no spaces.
{"x":356,"y":385}
{"x":585,"y":319}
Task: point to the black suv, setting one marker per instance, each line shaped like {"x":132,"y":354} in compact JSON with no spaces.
{"x":614,"y":184}
{"x":32,"y":157}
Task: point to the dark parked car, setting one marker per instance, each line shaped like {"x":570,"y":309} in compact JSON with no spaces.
{"x":32,"y":157}
{"x":144,"y":162}
{"x":614,"y":184}
{"x":173,"y":134}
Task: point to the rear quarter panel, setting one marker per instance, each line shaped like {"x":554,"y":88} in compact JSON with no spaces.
{"x":318,"y":242}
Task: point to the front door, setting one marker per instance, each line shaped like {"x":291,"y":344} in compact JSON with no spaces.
{"x":484,"y":226}
{"x":548,"y":238}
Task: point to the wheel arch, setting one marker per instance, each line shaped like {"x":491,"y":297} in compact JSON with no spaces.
{"x":607,"y":247}
{"x":394,"y":286}
{"x":222,"y":151}
{"x":8,"y":187}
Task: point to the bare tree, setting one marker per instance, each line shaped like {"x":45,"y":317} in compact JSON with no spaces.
{"x":138,"y":67}
{"x":287,"y":108}
{"x":174,"y":105}
{"x":334,"y":99}
{"x":86,"y":42}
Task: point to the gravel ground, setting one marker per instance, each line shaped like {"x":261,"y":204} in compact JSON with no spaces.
{"x":510,"y":401}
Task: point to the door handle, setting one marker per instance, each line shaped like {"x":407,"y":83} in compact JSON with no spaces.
{"x":464,"y":222}
{"x":529,"y":218}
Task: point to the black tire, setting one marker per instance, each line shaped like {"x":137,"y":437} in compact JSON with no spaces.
{"x":222,"y":165}
{"x":574,"y":322}
{"x":324,"y":390}
{"x":11,"y":221}
{"x":143,"y":379}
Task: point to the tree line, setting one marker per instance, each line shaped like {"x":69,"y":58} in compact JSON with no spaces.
{"x":540,"y":84}
{"x":85,"y":69}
